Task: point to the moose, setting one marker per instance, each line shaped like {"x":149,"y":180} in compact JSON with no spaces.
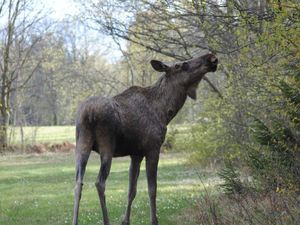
{"x":134,"y":123}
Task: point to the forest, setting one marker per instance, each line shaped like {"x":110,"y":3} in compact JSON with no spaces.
{"x":244,"y":124}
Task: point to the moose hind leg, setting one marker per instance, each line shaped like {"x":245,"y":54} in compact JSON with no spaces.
{"x":106,"y":160}
{"x":133,"y":177}
{"x":82,"y":155}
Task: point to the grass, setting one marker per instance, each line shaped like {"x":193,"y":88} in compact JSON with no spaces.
{"x":38,"y":190}
{"x":58,"y":134}
{"x":42,"y":134}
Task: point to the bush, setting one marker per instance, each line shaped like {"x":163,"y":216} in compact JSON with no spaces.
{"x":232,"y":182}
{"x":255,"y":209}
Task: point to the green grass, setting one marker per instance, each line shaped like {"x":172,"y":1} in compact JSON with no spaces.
{"x":42,"y":134}
{"x":38,"y":190}
{"x":58,"y":134}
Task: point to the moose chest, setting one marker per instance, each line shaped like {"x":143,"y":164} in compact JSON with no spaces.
{"x":140,"y":129}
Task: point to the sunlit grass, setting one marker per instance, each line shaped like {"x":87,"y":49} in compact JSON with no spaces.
{"x":38,"y":190}
{"x":58,"y":134}
{"x":42,"y":134}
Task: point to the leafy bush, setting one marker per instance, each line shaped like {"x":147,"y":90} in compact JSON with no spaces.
{"x":232,"y":182}
{"x":275,"y":156}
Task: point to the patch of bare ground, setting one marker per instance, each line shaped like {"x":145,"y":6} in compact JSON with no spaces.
{"x":42,"y":148}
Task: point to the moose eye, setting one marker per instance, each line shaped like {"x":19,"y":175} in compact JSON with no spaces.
{"x":177,"y":66}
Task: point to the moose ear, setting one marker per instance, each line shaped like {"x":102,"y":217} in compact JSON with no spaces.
{"x":159,"y":66}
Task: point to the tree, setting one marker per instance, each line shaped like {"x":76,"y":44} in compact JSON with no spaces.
{"x":72,"y":69}
{"x":170,"y":28}
{"x":18,"y":38}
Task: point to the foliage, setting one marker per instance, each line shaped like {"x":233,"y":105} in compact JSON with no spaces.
{"x":256,"y":124}
{"x":232,"y":183}
{"x":256,"y":209}
{"x":275,"y":158}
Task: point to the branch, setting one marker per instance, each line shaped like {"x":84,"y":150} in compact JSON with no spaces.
{"x":215,"y":89}
{"x":28,"y":78}
{"x":2,"y":5}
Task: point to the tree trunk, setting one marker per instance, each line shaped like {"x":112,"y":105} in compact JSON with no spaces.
{"x":22,"y":137}
{"x":4,"y":118}
{"x":55,"y":119}
{"x":262,"y":7}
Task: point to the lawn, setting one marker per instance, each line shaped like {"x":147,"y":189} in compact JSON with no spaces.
{"x":38,"y":190}
{"x":58,"y":134}
{"x":42,"y":134}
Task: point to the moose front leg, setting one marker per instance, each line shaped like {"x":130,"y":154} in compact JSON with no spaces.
{"x":133,"y":177}
{"x":151,"y":170}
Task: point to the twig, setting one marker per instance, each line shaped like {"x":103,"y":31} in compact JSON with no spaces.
{"x":215,"y":89}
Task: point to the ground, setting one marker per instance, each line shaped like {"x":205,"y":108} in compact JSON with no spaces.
{"x":38,"y":190}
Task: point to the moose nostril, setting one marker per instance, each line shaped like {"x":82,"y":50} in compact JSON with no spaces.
{"x":214,"y":59}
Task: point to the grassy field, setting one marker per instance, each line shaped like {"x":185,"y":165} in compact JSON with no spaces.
{"x":58,"y":134}
{"x":46,"y":134}
{"x":38,"y":190}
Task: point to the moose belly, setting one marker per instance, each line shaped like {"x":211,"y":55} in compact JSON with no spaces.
{"x":139,"y":143}
{"x":125,"y":146}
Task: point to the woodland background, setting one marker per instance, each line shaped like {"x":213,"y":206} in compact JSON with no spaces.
{"x":245,"y":122}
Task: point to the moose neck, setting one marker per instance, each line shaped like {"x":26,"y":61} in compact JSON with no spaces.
{"x":168,"y":98}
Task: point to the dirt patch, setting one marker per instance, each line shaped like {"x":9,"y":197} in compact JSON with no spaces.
{"x":42,"y":148}
{"x":64,"y":147}
{"x":37,"y":148}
